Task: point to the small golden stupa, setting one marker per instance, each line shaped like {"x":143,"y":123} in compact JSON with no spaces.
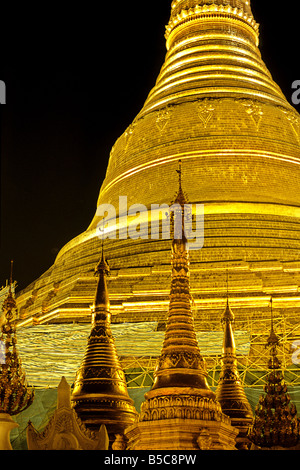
{"x":230,"y":391}
{"x":276,"y":425}
{"x":180,"y":411}
{"x":100,"y":393}
{"x":15,"y":395}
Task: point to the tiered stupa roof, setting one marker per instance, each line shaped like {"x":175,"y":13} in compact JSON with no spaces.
{"x":100,"y":393}
{"x":230,"y":391}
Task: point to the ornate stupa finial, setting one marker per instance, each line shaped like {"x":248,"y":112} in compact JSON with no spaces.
{"x":11,"y":273}
{"x":180,"y":197}
{"x":179,"y":173}
{"x":273,"y":339}
{"x":275,"y":424}
{"x":180,"y":390}
{"x":230,"y":391}
{"x":15,"y":395}
{"x":100,"y":393}
{"x":10,"y":303}
{"x":179,"y":213}
{"x":180,"y":361}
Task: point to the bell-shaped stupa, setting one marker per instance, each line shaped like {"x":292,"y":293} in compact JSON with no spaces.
{"x":100,"y":393}
{"x":275,"y":425}
{"x":180,"y":405}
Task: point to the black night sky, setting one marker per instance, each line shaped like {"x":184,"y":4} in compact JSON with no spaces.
{"x":76,"y":76}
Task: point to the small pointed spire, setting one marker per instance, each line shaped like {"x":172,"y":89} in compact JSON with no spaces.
{"x":10,"y":303}
{"x":100,"y":393}
{"x":180,"y":197}
{"x":11,"y":273}
{"x":273,"y":338}
{"x":179,"y":213}
{"x":230,"y":391}
{"x":179,"y":171}
{"x":227,"y":321}
{"x":275,"y":423}
{"x":180,"y":337}
{"x":102,"y":271}
{"x":63,"y":394}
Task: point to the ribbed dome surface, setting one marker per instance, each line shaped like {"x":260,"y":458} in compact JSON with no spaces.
{"x":216,"y":107}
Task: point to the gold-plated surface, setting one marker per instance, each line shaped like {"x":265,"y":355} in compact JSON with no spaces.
{"x":180,"y":387}
{"x":15,"y":395}
{"x":180,"y":404}
{"x":216,"y":107}
{"x":230,"y":391}
{"x":276,"y":424}
{"x":181,"y":434}
{"x":180,"y":363}
{"x":100,"y":393}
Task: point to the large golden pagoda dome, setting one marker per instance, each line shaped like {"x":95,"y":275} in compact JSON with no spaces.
{"x":216,"y":107}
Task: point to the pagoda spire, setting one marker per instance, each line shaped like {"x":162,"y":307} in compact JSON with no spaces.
{"x":180,"y":196}
{"x":15,"y":395}
{"x":102,"y":270}
{"x":11,"y":274}
{"x":100,"y":393}
{"x":275,"y":424}
{"x":230,"y":392}
{"x":180,"y":362}
{"x":180,"y":410}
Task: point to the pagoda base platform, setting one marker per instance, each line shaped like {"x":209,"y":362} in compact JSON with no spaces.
{"x":181,"y":434}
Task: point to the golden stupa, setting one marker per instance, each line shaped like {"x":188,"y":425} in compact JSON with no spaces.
{"x":275,"y":425}
{"x":216,"y":107}
{"x":180,"y":405}
{"x":100,"y":394}
{"x":230,"y":392}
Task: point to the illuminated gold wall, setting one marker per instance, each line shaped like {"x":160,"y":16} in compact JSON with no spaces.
{"x":215,"y":107}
